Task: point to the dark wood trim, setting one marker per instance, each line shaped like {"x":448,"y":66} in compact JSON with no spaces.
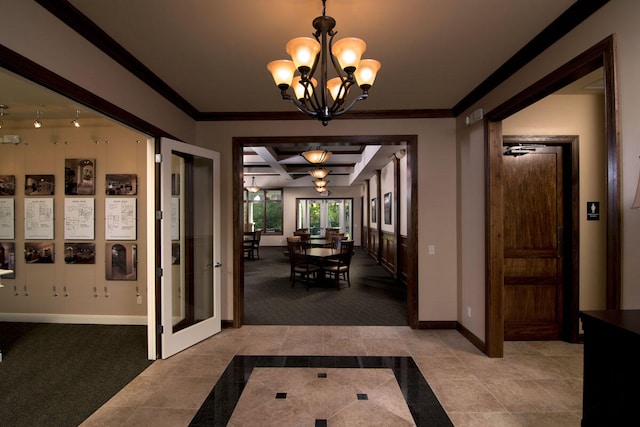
{"x":351,"y":115}
{"x":473,"y":339}
{"x":30,"y":70}
{"x":379,"y":235}
{"x":397,"y":206}
{"x":494,"y":236}
{"x":238,"y":236}
{"x":437,"y":324}
{"x":562,"y":25}
{"x":600,"y":55}
{"x":411,"y":142}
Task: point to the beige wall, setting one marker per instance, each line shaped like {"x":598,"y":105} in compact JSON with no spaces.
{"x":436,"y":181}
{"x":43,"y":151}
{"x":581,"y":115}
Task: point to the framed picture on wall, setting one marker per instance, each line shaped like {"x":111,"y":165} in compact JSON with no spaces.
{"x":387,"y":208}
{"x":80,"y":253}
{"x":122,"y":185}
{"x":39,"y":185}
{"x":8,"y":259}
{"x":7,"y":185}
{"x":79,"y":176}
{"x":121,"y":261}
{"x":374,"y":210}
{"x":38,"y":252}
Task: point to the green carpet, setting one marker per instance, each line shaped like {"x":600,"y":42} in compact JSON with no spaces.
{"x":58,"y":375}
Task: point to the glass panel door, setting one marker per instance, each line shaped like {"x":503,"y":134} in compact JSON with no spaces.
{"x":190,"y":307}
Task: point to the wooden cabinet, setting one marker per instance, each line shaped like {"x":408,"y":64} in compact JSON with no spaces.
{"x":611,"y":392}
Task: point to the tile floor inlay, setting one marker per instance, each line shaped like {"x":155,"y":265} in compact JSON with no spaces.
{"x":321,"y":390}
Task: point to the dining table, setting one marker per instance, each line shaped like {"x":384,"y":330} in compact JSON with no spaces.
{"x":320,"y":256}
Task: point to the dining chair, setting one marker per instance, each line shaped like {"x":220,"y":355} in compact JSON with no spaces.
{"x":341,"y":268}
{"x":301,"y":265}
{"x":252,"y":244}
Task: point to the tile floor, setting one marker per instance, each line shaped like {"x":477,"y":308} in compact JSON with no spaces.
{"x":535,"y":384}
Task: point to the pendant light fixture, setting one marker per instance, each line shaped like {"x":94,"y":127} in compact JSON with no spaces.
{"x":319,"y":173}
{"x":253,"y":188}
{"x":316,"y":156}
{"x":313,"y":87}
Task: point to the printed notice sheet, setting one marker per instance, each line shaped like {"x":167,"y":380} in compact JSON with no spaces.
{"x":7,"y":222}
{"x":38,"y":218}
{"x":79,"y":218}
{"x":175,"y":218}
{"x":121,"y":217}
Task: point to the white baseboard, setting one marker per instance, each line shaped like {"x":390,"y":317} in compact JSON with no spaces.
{"x":73,"y":318}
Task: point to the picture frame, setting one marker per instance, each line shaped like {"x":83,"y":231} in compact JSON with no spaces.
{"x":387,"y":208}
{"x":374,"y":211}
{"x":39,"y":185}
{"x":79,"y":253}
{"x":121,"y":260}
{"x":39,"y":252}
{"x":79,"y":177}
{"x":121,"y":185}
{"x":8,"y":258}
{"x":7,"y":185}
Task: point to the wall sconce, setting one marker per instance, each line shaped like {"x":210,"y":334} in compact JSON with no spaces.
{"x":75,"y":121}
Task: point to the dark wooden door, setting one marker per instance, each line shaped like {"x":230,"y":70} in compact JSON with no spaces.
{"x":533,"y":230}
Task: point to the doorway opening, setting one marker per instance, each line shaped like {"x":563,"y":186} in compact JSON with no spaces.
{"x":408,"y":141}
{"x":602,"y":55}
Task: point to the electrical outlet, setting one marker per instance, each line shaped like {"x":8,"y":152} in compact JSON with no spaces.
{"x":469,"y":312}
{"x":139,"y":299}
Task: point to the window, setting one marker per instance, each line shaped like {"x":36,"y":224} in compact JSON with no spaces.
{"x":263,"y":211}
{"x":319,"y":214}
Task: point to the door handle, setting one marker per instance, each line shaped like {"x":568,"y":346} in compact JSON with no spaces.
{"x":218,"y":265}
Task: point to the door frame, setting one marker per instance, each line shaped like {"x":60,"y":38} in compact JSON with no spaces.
{"x":569,"y":327}
{"x":411,"y":142}
{"x":601,"y":55}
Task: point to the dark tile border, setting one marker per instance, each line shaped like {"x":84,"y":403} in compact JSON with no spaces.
{"x":217,"y":408}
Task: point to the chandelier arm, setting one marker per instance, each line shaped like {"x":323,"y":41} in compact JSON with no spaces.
{"x":301,"y":106}
{"x":344,"y":110}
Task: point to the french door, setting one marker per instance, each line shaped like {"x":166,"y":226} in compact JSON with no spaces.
{"x":319,"y":214}
{"x":190,"y":296}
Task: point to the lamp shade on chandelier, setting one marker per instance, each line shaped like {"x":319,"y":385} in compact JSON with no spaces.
{"x":313,"y":91}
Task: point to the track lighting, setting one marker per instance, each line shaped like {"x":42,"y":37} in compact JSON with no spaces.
{"x":37,"y":123}
{"x":75,"y":121}
{"x":2,"y":108}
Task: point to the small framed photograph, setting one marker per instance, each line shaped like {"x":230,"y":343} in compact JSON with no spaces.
{"x":39,"y":185}
{"x":122,"y":185}
{"x":79,"y":253}
{"x":39,"y":252}
{"x":7,"y":185}
{"x":121,"y":261}
{"x":79,"y":176}
{"x":387,"y":208}
{"x":8,"y":259}
{"x":374,"y":210}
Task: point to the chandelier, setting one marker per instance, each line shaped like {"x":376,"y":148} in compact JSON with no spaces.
{"x":310,"y":57}
{"x":316,"y":155}
{"x":319,"y":173}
